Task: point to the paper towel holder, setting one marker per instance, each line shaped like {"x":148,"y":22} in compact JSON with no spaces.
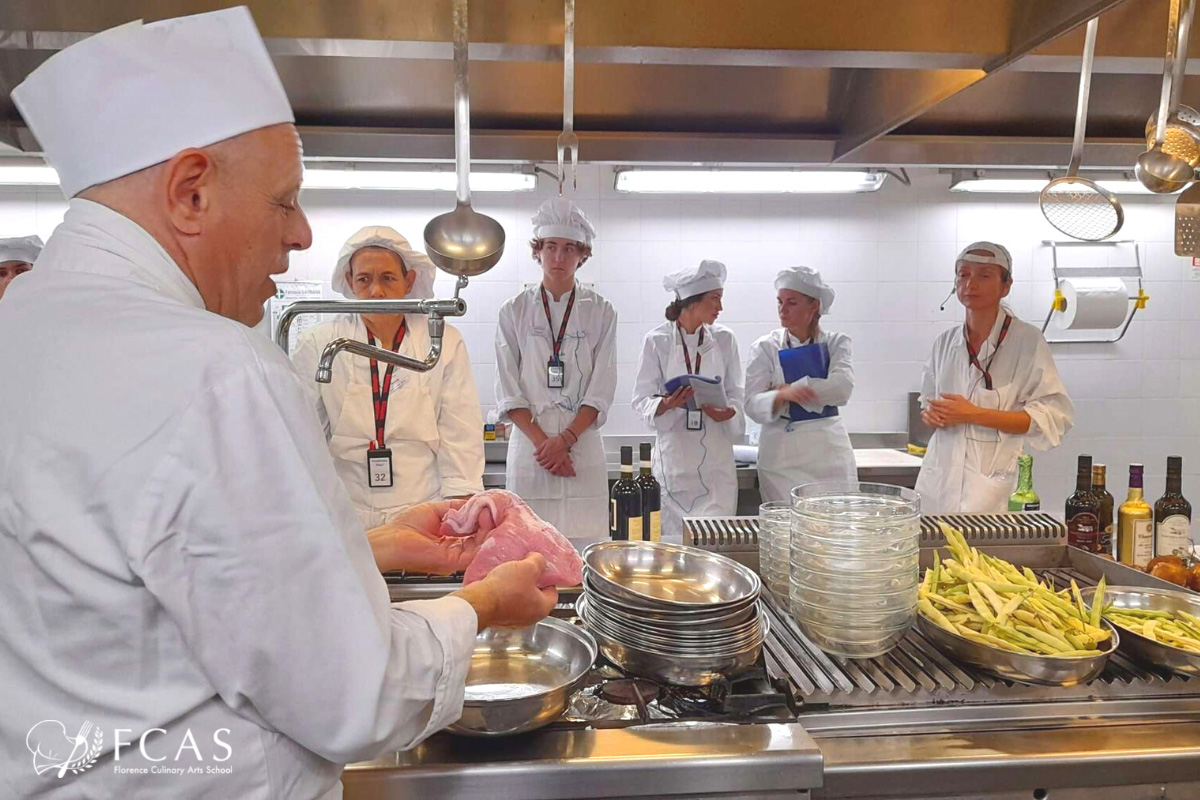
{"x":1133,"y":271}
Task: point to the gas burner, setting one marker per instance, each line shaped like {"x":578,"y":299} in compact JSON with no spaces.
{"x":629,"y":691}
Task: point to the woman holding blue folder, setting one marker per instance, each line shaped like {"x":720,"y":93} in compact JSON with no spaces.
{"x":798,"y":377}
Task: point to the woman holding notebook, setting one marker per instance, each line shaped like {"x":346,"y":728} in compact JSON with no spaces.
{"x":689,"y":392}
{"x":797,"y":379}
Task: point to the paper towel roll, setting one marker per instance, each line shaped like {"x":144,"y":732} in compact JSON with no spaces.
{"x":1093,"y":304}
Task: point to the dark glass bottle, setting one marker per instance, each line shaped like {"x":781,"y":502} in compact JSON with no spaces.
{"x":1173,"y":515}
{"x":625,"y":503}
{"x":651,"y":496}
{"x":1083,"y":510}
{"x":1108,"y":504}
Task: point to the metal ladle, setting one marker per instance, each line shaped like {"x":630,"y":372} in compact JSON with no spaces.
{"x":1159,"y":171}
{"x":463,"y":242}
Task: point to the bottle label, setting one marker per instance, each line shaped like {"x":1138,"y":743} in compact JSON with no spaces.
{"x":635,"y":529}
{"x":612,"y":519}
{"x":1143,"y":542}
{"x":1083,"y":531}
{"x":1036,"y":505}
{"x":655,"y":527}
{"x":1173,"y":536}
{"x":1104,"y":543}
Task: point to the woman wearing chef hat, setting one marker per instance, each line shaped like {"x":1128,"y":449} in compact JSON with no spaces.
{"x":556,"y":374}
{"x":990,"y":388}
{"x":694,"y":457}
{"x":427,"y":424}
{"x":798,"y":377}
{"x":17,"y":255}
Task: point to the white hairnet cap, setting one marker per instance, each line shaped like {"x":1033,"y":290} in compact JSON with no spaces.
{"x":806,"y":280}
{"x":691,"y":281}
{"x":996,"y":254}
{"x":135,"y":95}
{"x":388,"y":239}
{"x":562,"y":219}
{"x":20,"y":248}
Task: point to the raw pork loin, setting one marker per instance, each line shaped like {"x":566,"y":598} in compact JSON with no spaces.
{"x":509,"y":531}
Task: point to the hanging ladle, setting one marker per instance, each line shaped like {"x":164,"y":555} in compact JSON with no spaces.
{"x":567,"y":140}
{"x":1160,"y":171}
{"x":463,"y":242}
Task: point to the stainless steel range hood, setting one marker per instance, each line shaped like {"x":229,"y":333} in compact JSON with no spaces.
{"x":860,"y":82}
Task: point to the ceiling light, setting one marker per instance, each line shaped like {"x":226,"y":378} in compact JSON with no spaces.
{"x":744,"y":181}
{"x":1035,"y":185}
{"x":27,"y":175}
{"x":416,"y":181}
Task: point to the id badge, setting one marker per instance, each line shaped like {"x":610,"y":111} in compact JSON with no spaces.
{"x":379,"y":469}
{"x":695,"y":419}
{"x":556,"y":375}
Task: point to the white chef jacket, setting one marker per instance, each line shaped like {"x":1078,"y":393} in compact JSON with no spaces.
{"x":434,"y":425}
{"x":578,"y":507}
{"x":695,"y":468}
{"x":791,"y":454}
{"x":970,"y":468}
{"x":178,"y":550}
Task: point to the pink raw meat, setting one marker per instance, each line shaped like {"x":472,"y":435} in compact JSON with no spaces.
{"x":510,"y":531}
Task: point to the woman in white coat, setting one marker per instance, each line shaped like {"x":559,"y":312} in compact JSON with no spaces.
{"x":556,"y":374}
{"x":990,"y":388}
{"x":803,"y":439}
{"x":693,"y":460}
{"x":427,"y":424}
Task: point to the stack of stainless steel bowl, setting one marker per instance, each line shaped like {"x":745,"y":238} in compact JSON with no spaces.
{"x":775,"y":546}
{"x":671,"y":613}
{"x":855,"y":551}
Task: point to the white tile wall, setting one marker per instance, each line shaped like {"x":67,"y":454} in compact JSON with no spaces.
{"x":888,"y":255}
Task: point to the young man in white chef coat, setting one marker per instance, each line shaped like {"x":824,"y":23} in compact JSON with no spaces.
{"x":556,"y":374}
{"x":990,"y":388}
{"x":17,"y":254}
{"x":185,"y":581}
{"x":426,"y":426}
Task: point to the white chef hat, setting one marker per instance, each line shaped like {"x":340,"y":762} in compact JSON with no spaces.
{"x":562,"y":219}
{"x":135,"y":95}
{"x":388,"y":239}
{"x":20,"y":248}
{"x":806,"y":280}
{"x":691,"y":281}
{"x":995,"y":254}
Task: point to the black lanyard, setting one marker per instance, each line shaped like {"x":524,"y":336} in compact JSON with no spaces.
{"x":380,"y":397}
{"x":987,"y":374}
{"x":687,"y":359}
{"x":562,"y":329}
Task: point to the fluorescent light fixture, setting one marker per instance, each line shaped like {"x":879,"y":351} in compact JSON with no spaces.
{"x":746,"y":181}
{"x":27,"y":175}
{"x":1035,"y":185}
{"x":416,"y":181}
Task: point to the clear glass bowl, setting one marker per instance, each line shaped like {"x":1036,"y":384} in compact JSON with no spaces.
{"x":871,"y":623}
{"x":855,"y":601}
{"x":840,"y":641}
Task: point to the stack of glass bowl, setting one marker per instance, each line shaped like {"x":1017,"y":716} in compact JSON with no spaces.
{"x":775,"y":547}
{"x":854,"y":565}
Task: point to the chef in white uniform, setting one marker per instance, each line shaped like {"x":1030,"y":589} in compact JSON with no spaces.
{"x":989,"y":390}
{"x":815,"y":447}
{"x":693,"y":459}
{"x":556,"y":374}
{"x":431,"y":423}
{"x":185,"y":581}
{"x":17,"y":254}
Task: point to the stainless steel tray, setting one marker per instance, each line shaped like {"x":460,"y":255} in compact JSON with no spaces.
{"x":1146,"y":650}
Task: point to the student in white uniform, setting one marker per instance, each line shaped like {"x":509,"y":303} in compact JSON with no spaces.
{"x":17,"y":254}
{"x":185,"y":580}
{"x":990,"y":388}
{"x":814,"y":447}
{"x":428,"y":425}
{"x":693,"y":459}
{"x":556,"y":374}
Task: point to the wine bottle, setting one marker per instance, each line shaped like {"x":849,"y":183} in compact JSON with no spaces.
{"x":1135,"y":523}
{"x":651,"y":496}
{"x":1173,"y":515}
{"x":1104,"y":529}
{"x":1083,"y":510}
{"x":1024,"y":498}
{"x":625,"y":503}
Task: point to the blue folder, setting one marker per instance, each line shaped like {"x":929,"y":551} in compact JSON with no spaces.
{"x":806,"y":361}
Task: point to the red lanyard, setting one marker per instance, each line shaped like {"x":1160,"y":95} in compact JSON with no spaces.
{"x":562,"y":329}
{"x":987,"y":375}
{"x":380,"y":397}
{"x":687,"y":359}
